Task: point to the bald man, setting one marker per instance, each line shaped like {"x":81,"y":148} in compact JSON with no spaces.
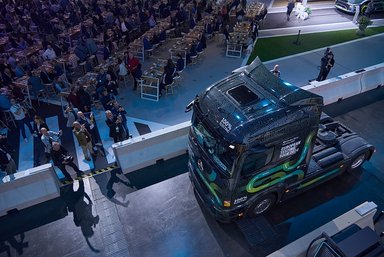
{"x":47,"y":137}
{"x":61,"y":158}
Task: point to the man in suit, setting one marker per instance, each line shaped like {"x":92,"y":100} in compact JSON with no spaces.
{"x":116,"y":129}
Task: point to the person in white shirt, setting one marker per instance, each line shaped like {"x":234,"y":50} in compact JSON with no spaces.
{"x":275,"y":71}
{"x":48,"y":137}
{"x":49,"y":54}
{"x":19,"y":113}
{"x":122,"y":68}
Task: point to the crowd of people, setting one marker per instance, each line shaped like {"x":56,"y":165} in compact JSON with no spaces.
{"x":37,"y":35}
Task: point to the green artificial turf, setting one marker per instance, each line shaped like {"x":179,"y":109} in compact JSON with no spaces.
{"x":277,"y":47}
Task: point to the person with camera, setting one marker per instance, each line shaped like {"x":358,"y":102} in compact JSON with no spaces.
{"x":84,"y":139}
{"x":48,"y":137}
{"x":71,"y":114}
{"x":115,"y":124}
{"x":61,"y":158}
{"x":119,"y":110}
{"x":88,"y":120}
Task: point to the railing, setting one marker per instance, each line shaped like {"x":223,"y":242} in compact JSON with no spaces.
{"x":143,"y":151}
{"x":350,"y":84}
{"x":29,"y":187}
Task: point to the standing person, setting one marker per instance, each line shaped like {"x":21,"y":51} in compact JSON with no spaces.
{"x":6,"y":161}
{"x":71,"y":114}
{"x":122,"y":69}
{"x":290,"y":7}
{"x":117,"y":110}
{"x":111,"y":85}
{"x":85,"y":99}
{"x":327,"y":62}
{"x":330,"y":64}
{"x":61,"y":159}
{"x":48,"y":137}
{"x":20,"y":116}
{"x":88,"y":120}
{"x":38,"y":124}
{"x":84,"y":139}
{"x":133,"y":64}
{"x":116,"y":129}
{"x":275,"y":71}
{"x":323,"y":65}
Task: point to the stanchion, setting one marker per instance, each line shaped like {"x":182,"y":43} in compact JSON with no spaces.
{"x":297,"y":39}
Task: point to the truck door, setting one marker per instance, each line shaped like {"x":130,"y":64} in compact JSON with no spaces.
{"x":279,"y":165}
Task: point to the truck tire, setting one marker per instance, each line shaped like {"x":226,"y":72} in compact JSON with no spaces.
{"x":363,"y":8}
{"x":262,"y":205}
{"x":358,"y":161}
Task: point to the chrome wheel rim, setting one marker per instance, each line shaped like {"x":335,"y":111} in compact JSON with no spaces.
{"x":358,"y":161}
{"x":262,"y":206}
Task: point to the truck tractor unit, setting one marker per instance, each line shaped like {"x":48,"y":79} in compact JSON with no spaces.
{"x":256,"y":140}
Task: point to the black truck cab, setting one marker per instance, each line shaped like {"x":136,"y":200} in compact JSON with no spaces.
{"x":255,"y":140}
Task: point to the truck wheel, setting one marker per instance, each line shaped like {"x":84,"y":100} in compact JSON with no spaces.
{"x":358,"y":161}
{"x":363,"y":8}
{"x":262,"y":205}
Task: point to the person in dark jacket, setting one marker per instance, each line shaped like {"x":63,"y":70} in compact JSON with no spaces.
{"x":38,"y":124}
{"x":117,"y":110}
{"x":290,"y":7}
{"x":61,"y":159}
{"x":167,"y":77}
{"x":85,"y":100}
{"x":179,"y":63}
{"x":116,"y":129}
{"x":6,"y":161}
{"x":327,"y":62}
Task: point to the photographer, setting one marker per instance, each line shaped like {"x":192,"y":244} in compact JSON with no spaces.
{"x":88,"y":120}
{"x":71,"y":114}
{"x":48,"y":137}
{"x":116,"y":129}
{"x":119,"y":110}
{"x":61,"y":158}
{"x":84,"y":139}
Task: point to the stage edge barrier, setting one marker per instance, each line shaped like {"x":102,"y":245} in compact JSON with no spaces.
{"x":361,"y":215}
{"x":142,"y":151}
{"x":27,"y":188}
{"x":347,"y":85}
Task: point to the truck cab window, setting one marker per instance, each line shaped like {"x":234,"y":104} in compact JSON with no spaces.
{"x":222,"y":153}
{"x":256,"y":160}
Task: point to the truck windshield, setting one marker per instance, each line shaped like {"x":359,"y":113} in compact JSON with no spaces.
{"x":222,"y":153}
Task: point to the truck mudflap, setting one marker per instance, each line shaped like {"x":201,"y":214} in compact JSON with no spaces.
{"x":355,"y":145}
